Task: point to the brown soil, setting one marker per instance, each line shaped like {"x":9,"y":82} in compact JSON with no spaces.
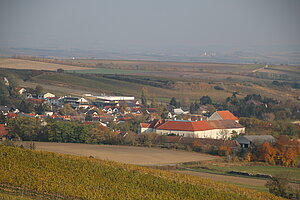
{"x":125,"y":154}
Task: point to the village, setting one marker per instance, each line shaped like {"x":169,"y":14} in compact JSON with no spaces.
{"x":220,"y":128}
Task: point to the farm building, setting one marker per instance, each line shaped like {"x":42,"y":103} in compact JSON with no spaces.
{"x":215,"y":129}
{"x":247,"y":140}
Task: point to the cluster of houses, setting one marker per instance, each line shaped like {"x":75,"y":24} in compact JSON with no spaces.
{"x":103,"y":109}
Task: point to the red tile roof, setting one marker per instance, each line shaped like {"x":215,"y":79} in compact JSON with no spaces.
{"x":11,"y":115}
{"x":185,"y":126}
{"x":226,"y":115}
{"x":145,"y":125}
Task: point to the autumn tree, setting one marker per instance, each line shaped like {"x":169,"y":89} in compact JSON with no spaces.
{"x":267,"y":153}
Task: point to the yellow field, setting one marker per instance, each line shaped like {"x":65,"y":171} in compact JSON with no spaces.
{"x":11,"y":63}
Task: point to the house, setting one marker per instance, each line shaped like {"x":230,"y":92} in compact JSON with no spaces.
{"x":72,"y":101}
{"x":53,"y":100}
{"x":115,"y":98}
{"x":223,"y":115}
{"x":149,"y":127}
{"x":247,"y":140}
{"x":21,"y":90}
{"x":6,"y":109}
{"x":48,"y":113}
{"x":45,"y":95}
{"x":179,"y":111}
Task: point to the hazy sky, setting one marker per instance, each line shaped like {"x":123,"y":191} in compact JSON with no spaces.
{"x":99,"y":24}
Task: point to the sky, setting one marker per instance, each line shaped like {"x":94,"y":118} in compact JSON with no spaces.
{"x":151,"y":24}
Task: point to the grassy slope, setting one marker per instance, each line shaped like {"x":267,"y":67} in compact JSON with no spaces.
{"x":129,"y":88}
{"x":76,"y":177}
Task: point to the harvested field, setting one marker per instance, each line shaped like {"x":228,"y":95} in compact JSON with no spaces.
{"x":125,"y":154}
{"x":11,"y":63}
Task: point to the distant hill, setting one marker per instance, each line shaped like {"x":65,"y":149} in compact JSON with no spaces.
{"x":42,"y":175}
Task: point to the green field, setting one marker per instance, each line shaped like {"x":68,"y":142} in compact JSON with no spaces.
{"x":222,"y":168}
{"x":104,"y":71}
{"x":69,"y":177}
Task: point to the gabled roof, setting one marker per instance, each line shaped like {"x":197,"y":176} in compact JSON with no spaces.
{"x":226,"y":115}
{"x":144,"y":125}
{"x":185,"y":126}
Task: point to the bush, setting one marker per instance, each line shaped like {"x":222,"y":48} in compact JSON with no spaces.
{"x":218,"y":87}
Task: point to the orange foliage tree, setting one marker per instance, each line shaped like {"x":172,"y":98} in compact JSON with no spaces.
{"x":267,"y":153}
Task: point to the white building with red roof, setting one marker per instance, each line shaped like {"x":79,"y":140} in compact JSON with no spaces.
{"x":215,"y":128}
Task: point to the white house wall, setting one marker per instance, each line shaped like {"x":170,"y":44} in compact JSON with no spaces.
{"x":213,"y":134}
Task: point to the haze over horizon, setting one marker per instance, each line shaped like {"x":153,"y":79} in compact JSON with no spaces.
{"x":166,"y":26}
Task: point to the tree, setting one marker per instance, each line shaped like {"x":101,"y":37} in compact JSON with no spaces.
{"x":26,"y":107}
{"x":267,"y":153}
{"x":123,"y":107}
{"x":278,"y":186}
{"x":88,"y":117}
{"x":154,"y":103}
{"x":40,"y":109}
{"x":60,"y":70}
{"x":173,"y":102}
{"x":205,"y":100}
{"x":67,"y":110}
{"x":192,"y":108}
{"x":39,"y":89}
{"x":164,"y":114}
{"x":144,"y":96}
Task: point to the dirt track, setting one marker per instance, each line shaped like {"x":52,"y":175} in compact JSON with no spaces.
{"x":125,"y":154}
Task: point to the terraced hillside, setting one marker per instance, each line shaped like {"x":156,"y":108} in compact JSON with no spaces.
{"x":42,"y":175}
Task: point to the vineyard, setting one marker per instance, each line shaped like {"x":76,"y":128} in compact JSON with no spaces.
{"x":50,"y":175}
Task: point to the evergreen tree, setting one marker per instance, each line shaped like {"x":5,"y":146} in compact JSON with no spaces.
{"x":173,"y":102}
{"x":144,"y":96}
{"x":205,"y":100}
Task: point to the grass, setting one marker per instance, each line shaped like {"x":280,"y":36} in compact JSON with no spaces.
{"x":222,"y":168}
{"x":113,"y":86}
{"x":71,"y":177}
{"x":105,"y":71}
